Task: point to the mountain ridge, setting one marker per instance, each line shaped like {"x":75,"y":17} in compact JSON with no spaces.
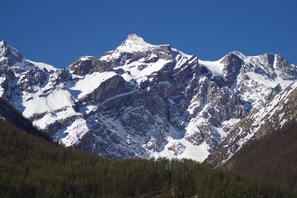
{"x":144,"y":100}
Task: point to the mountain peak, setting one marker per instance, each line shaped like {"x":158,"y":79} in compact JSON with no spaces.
{"x":134,"y":43}
{"x":5,"y":48}
{"x":8,"y":54}
{"x":2,"y":44}
{"x":239,"y":54}
{"x":135,"y":37}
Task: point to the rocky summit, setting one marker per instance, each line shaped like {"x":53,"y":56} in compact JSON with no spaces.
{"x":143,"y":100}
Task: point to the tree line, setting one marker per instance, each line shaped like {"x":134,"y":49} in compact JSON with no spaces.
{"x":31,"y":167}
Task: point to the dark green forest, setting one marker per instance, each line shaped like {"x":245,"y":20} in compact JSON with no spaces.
{"x":31,"y":167}
{"x":273,"y":156}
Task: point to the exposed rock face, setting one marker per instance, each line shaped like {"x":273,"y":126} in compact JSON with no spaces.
{"x":86,"y":65}
{"x":271,"y":117}
{"x":144,"y":100}
{"x":232,"y":65}
{"x":109,"y":88}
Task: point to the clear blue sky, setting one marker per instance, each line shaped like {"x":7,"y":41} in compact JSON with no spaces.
{"x":58,"y":32}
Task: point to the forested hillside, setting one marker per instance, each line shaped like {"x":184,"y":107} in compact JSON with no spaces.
{"x":30,"y":167}
{"x":273,"y":156}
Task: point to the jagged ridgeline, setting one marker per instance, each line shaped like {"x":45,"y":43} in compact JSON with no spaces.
{"x":31,"y":167}
{"x":142,"y":100}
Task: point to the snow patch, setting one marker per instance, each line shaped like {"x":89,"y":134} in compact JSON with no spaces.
{"x":72,"y":134}
{"x":2,"y":80}
{"x":36,"y":103}
{"x":216,"y":67}
{"x":50,"y":118}
{"x":90,"y":82}
{"x":182,"y":149}
{"x":140,"y":71}
{"x":43,"y":66}
{"x":85,"y":58}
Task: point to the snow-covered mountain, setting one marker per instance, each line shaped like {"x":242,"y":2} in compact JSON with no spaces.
{"x":143,"y":100}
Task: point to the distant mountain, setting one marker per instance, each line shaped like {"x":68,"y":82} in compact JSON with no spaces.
{"x":144,"y":100}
